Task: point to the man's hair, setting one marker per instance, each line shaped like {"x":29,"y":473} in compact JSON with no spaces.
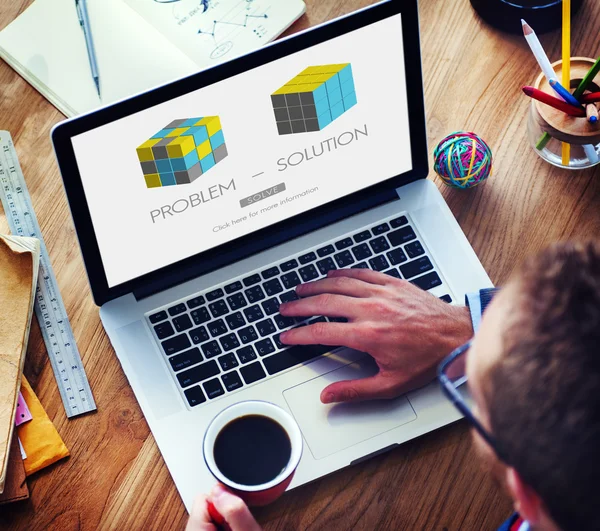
{"x":544,"y":398}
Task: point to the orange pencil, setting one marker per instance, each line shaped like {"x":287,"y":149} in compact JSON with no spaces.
{"x":591,"y":112}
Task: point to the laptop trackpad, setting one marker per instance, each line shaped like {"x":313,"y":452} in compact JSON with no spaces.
{"x":330,"y":428}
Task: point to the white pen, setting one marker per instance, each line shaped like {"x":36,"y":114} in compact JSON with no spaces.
{"x":84,"y":21}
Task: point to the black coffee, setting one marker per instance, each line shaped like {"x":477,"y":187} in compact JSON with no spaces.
{"x":252,"y":450}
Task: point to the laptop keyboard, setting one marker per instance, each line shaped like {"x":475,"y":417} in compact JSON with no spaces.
{"x":226,"y":338}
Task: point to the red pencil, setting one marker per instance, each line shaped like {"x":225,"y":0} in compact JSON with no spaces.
{"x":590,"y":98}
{"x":546,"y":98}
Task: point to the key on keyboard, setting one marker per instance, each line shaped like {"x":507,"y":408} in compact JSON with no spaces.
{"x":327,"y":264}
{"x":233,"y":287}
{"x":213,"y":388}
{"x":175,"y":344}
{"x":195,"y":302}
{"x":164,"y":330}
{"x":251,"y":280}
{"x":293,"y":356}
{"x":194,"y":396}
{"x":185,"y":359}
{"x":198,"y":373}
{"x":159,"y":316}
{"x":232,"y":381}
{"x":214,"y":295}
{"x":306,"y":258}
{"x":416,"y":267}
{"x":253,"y":372}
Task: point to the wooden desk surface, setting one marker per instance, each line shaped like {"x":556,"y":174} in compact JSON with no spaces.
{"x":116,"y":479}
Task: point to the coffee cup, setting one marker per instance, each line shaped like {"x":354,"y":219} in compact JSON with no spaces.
{"x":253,"y":448}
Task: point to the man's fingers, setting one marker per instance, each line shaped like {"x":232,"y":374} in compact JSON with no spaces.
{"x":324,"y":304}
{"x":378,"y":386}
{"x":332,"y":334}
{"x":366,"y":275}
{"x":357,"y":390}
{"x":340,"y":285}
{"x":199,"y":518}
{"x":233,"y":509}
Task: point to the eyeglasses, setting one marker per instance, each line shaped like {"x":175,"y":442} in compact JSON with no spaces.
{"x":453,"y":379}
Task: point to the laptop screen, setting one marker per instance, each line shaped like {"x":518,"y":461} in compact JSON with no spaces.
{"x":226,"y":160}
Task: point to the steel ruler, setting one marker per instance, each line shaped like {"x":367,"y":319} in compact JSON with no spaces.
{"x":50,"y":310}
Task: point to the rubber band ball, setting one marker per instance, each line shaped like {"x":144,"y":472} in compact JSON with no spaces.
{"x":463,"y":160}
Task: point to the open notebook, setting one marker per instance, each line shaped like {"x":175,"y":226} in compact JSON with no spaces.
{"x":139,"y":43}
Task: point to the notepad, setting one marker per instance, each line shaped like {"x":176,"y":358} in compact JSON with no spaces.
{"x":19,"y":262}
{"x":139,"y":44}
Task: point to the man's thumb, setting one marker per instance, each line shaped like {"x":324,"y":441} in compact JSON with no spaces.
{"x":356,"y":390}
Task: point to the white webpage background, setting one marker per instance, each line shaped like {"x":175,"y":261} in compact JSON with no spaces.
{"x":132,"y":245}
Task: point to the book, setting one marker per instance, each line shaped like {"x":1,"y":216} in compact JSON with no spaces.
{"x":19,"y":263}
{"x":140,"y":44}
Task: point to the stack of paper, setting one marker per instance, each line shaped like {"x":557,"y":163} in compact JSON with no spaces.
{"x":19,"y":261}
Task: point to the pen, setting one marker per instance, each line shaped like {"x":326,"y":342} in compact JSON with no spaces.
{"x":84,"y":21}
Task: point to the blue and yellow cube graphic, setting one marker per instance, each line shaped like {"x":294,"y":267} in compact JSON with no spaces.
{"x":182,"y":151}
{"x":314,"y":98}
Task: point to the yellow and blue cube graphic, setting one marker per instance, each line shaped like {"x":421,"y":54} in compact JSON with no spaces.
{"x":314,"y":98}
{"x":182,"y":151}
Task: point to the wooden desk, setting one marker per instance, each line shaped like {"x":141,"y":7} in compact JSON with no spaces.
{"x":116,"y":479}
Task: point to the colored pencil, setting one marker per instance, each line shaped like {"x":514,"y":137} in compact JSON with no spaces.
{"x":564,"y":93}
{"x":588,"y":78}
{"x":592,"y":97}
{"x":546,"y":98}
{"x":591,"y":112}
{"x":566,"y":66}
{"x":538,"y":51}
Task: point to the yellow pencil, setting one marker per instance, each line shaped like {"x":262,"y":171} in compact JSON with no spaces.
{"x":566,"y":65}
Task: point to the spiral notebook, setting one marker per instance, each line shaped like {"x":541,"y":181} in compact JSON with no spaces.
{"x":139,"y":44}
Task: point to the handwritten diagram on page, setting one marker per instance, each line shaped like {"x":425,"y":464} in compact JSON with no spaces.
{"x":212,"y":31}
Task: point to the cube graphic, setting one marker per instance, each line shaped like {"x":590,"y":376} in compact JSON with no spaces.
{"x":182,"y":151}
{"x":314,"y":98}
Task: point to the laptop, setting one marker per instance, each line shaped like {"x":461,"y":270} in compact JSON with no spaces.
{"x":200,"y":206}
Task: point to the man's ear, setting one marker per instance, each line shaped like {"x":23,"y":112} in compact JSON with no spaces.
{"x":526,"y":501}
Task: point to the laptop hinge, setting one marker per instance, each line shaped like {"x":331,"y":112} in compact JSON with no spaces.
{"x":196,"y":269}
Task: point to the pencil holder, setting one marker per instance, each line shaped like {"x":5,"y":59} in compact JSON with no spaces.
{"x":548,"y":128}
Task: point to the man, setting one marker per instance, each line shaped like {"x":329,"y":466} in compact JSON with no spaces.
{"x":533,"y":372}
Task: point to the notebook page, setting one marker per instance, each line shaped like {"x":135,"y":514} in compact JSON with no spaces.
{"x":46,"y":46}
{"x":212,"y":31}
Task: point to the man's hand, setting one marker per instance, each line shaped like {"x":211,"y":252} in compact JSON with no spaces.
{"x":407,"y":331}
{"x":233,"y":509}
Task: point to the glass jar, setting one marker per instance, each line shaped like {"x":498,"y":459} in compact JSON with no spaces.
{"x":549,"y":128}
